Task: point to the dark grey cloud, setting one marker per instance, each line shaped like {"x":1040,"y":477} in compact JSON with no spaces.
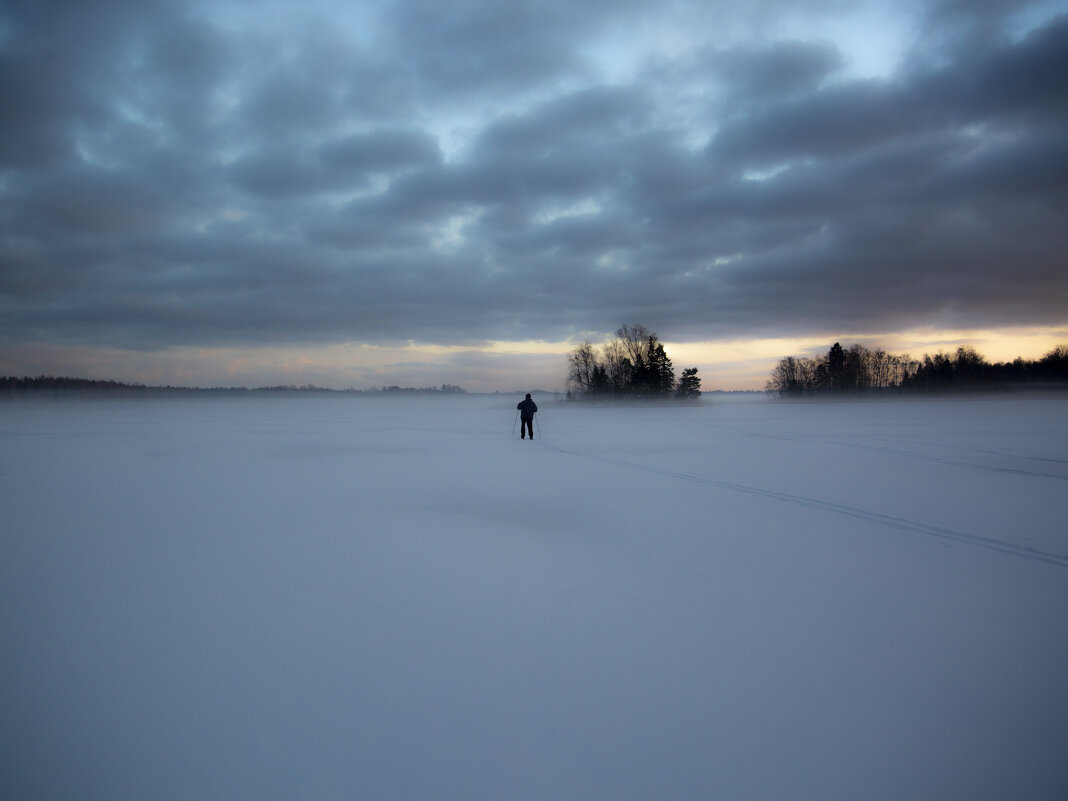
{"x":473,"y":48}
{"x":318,"y":84}
{"x":462,"y":47}
{"x":763,"y":72}
{"x":346,"y":163}
{"x":176,"y":175}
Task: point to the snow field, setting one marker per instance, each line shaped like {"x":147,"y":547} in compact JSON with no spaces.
{"x":350,"y":597}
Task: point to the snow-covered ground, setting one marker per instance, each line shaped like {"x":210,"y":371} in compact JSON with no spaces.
{"x":395,"y":598}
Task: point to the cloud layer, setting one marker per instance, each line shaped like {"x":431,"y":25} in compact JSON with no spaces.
{"x":232,"y":175}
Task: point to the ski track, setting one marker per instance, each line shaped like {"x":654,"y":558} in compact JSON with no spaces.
{"x":957,"y":463}
{"x":923,"y":457}
{"x":900,"y":523}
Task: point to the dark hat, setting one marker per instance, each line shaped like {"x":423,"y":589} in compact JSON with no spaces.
{"x":528,"y":394}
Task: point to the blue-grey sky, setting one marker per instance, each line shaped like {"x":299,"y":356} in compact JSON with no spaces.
{"x":392,"y":192}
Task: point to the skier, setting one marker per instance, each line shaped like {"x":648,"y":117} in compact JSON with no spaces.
{"x":526,"y":408}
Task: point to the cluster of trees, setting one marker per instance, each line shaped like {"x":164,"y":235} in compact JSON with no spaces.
{"x":859,"y":370}
{"x":839,"y":370}
{"x":633,"y":365}
{"x":968,"y":370}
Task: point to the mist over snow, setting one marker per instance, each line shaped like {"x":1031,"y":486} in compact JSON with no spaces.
{"x":395,"y":598}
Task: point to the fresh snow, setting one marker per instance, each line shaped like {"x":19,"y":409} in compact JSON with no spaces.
{"x":345,"y":597}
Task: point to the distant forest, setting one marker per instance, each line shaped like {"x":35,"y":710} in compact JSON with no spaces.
{"x":48,"y":386}
{"x":633,"y":365}
{"x":862,"y":371}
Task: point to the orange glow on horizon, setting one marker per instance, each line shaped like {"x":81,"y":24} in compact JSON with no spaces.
{"x":738,"y":364}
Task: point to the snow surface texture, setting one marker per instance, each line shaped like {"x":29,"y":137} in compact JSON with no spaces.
{"x":396,"y":598}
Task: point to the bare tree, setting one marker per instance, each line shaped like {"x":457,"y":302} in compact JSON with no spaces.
{"x":787,"y":378}
{"x":635,"y":342}
{"x":617,"y":366}
{"x":582,"y":363}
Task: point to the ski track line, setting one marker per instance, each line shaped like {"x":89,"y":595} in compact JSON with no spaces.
{"x":921,"y":456}
{"x":955,"y":463}
{"x":900,"y":523}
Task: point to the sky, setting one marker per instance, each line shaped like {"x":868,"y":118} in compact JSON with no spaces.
{"x":417,"y":193}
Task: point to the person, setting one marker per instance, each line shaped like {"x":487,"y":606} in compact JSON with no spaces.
{"x":526,"y":408}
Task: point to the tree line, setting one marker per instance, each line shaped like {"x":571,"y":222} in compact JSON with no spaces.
{"x":66,"y":387}
{"x":859,"y":370}
{"x":632,"y":365}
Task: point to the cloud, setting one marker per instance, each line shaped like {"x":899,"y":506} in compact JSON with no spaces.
{"x":346,"y":163}
{"x":190,"y":175}
{"x":759,"y":73}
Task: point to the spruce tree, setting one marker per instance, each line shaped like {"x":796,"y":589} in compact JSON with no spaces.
{"x":662,"y":374}
{"x":689,"y":385}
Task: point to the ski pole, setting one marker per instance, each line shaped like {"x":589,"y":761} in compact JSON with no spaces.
{"x":514,"y":421}
{"x":538,"y":425}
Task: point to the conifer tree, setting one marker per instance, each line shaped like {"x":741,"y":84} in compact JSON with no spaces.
{"x":661,"y":373}
{"x":689,"y":385}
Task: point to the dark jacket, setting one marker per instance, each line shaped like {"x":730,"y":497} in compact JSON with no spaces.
{"x":527,"y":408}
